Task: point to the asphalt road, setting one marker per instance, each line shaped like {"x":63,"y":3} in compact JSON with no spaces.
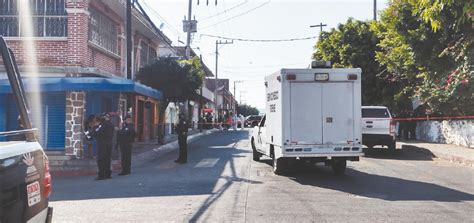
{"x":221,"y":183}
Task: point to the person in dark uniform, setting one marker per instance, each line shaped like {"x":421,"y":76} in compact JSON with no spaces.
{"x":103,"y":133}
{"x":126,"y":136}
{"x":182,"y":130}
{"x":411,"y":126}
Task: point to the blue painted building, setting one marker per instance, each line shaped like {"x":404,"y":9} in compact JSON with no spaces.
{"x":66,"y":102}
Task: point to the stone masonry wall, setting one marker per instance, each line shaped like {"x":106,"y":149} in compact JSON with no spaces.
{"x":75,"y":104}
{"x":459,"y":132}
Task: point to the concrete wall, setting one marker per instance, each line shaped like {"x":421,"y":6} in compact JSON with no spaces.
{"x":458,"y":132}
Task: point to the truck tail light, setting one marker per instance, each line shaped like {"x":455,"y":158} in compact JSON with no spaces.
{"x":393,"y":125}
{"x":47,"y":179}
{"x":291,"y":77}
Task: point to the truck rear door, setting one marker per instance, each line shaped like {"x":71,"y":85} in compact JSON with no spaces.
{"x":376,"y":121}
{"x":306,"y":113}
{"x":338,"y":112}
{"x":322,"y":112}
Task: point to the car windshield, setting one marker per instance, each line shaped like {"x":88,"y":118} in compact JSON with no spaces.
{"x":375,"y":113}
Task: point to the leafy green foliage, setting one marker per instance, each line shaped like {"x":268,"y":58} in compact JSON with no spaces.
{"x":247,"y":110}
{"x":420,"y":49}
{"x":353,"y":44}
{"x":427,"y":47}
{"x":178,"y":80}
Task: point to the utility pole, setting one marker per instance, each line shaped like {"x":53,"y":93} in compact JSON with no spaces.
{"x":217,"y":64}
{"x":240,"y":96}
{"x":189,"y":29}
{"x":375,"y":10}
{"x":235,"y":96}
{"x":129,"y":39}
{"x":320,"y":25}
{"x":200,"y":97}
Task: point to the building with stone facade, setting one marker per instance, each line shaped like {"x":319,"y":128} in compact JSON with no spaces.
{"x":81,"y":55}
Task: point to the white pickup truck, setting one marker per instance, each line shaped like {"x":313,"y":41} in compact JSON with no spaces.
{"x":378,"y":128}
{"x":25,"y":180}
{"x":312,"y":115}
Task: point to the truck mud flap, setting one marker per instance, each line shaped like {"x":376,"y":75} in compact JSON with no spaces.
{"x":49,"y":217}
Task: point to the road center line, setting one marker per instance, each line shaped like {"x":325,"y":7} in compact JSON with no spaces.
{"x":204,"y":163}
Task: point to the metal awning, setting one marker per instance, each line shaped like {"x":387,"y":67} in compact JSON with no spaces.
{"x":96,"y":84}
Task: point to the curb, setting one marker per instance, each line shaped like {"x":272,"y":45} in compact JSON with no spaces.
{"x":448,"y":157}
{"x":137,"y":159}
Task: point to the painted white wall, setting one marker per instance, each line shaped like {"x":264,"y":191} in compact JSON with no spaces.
{"x":458,"y":132}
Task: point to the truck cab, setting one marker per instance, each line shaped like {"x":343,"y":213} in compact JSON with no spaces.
{"x":25,"y":180}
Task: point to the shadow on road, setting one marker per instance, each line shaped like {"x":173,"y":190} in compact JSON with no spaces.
{"x":360,"y":184}
{"x":398,"y":154}
{"x":164,"y":178}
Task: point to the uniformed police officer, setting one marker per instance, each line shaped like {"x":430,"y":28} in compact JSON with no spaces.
{"x":126,"y":136}
{"x":103,"y":133}
{"x":182,"y":130}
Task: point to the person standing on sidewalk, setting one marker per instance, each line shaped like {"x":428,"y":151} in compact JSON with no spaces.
{"x":103,"y":133}
{"x":182,"y":130}
{"x":126,"y":136}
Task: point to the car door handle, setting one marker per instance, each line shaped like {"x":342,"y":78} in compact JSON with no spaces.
{"x":369,"y":126}
{"x":369,"y":122}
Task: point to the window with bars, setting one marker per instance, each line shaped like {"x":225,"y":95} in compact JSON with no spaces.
{"x":48,"y":17}
{"x":102,"y":31}
{"x":147,"y":54}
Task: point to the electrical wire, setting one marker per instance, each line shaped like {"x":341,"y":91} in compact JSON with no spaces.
{"x":225,"y":11}
{"x":262,"y":66}
{"x":162,"y":19}
{"x":238,"y":15}
{"x":260,"y":40}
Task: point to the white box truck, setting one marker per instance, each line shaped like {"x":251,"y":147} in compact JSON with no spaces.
{"x":312,"y":115}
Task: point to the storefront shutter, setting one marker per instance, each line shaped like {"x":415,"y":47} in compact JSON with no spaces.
{"x":52,"y":130}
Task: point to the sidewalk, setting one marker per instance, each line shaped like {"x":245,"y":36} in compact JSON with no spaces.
{"x":452,"y":153}
{"x":141,"y":152}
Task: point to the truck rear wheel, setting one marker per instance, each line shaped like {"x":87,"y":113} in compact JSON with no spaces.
{"x":256,"y":155}
{"x":392,"y":145}
{"x":339,"y":166}
{"x":279,"y":165}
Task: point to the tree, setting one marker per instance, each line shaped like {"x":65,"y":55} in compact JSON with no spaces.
{"x":247,"y":110}
{"x":427,"y":47}
{"x":177,"y":80}
{"x":353,"y":44}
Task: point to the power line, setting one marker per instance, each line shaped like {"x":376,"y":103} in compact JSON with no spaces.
{"x":260,"y":40}
{"x":225,"y":11}
{"x":263,"y":66}
{"x":162,"y":19}
{"x":238,"y":15}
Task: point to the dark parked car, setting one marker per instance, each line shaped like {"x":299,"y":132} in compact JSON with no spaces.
{"x":252,"y":120}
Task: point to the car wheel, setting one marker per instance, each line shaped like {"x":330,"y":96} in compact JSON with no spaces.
{"x":256,"y":155}
{"x":392,"y":145}
{"x":339,"y":166}
{"x":279,"y":165}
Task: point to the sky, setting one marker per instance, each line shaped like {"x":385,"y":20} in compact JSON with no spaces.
{"x":250,"y":62}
